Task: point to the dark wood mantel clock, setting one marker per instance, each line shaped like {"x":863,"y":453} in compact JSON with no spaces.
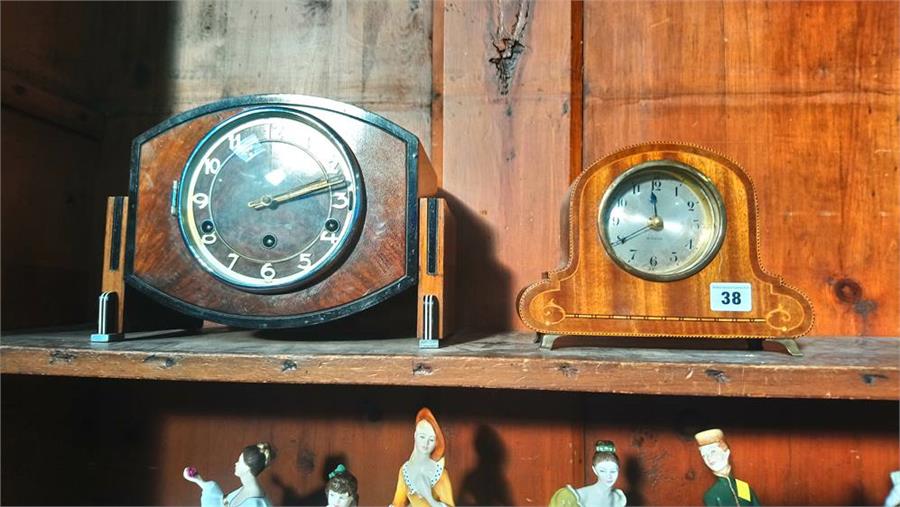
{"x":279,"y":211}
{"x":662,"y":242}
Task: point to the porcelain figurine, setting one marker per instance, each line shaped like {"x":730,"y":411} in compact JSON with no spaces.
{"x":423,"y":480}
{"x":727,"y":490}
{"x":893,"y":498}
{"x":341,"y":488}
{"x":252,"y":460}
{"x":605,"y":465}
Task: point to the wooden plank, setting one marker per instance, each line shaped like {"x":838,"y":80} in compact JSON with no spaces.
{"x":831,"y":368}
{"x":375,"y":55}
{"x":506,"y":111}
{"x":49,"y":249}
{"x":853,"y":446}
{"x":20,"y":94}
{"x":810,"y":118}
{"x":57,"y":48}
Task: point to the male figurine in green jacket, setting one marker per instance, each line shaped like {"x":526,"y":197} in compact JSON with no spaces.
{"x":727,"y":490}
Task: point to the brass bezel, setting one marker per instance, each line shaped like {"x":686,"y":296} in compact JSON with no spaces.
{"x":690,"y":175}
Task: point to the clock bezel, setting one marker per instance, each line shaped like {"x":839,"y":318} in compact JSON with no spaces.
{"x":414,"y":164}
{"x":336,"y":255}
{"x":699,"y":181}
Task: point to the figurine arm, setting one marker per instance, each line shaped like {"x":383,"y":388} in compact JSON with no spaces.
{"x":212,"y":495}
{"x":443,"y":491}
{"x":400,"y":494}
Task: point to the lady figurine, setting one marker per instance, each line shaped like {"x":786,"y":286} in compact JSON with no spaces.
{"x":252,"y":460}
{"x":605,"y":465}
{"x":341,"y":488}
{"x":726,"y":490}
{"x":423,"y":480}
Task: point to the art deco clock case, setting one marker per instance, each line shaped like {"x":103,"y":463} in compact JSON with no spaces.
{"x":277,"y":211}
{"x":662,"y":240}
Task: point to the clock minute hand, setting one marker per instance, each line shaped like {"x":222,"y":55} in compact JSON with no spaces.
{"x":311,"y":188}
{"x":620,"y":240}
{"x":653,"y":202}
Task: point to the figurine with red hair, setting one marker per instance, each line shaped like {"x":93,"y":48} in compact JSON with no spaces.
{"x":423,"y":480}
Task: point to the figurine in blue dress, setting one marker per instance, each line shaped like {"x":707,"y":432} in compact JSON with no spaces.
{"x":252,"y":460}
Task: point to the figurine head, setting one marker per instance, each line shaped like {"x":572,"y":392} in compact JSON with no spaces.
{"x":254,"y":459}
{"x":428,"y":438}
{"x":715,"y":451}
{"x":341,"y":488}
{"x":605,"y":463}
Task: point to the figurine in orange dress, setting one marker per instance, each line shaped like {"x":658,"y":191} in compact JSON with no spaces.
{"x":423,"y":480}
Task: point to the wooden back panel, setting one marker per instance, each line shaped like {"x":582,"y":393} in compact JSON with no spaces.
{"x":779,"y":89}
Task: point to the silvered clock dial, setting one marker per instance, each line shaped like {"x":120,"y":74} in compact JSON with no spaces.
{"x":661,"y":220}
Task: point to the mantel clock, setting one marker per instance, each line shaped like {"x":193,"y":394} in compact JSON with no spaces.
{"x":278,"y":211}
{"x":662,"y":241}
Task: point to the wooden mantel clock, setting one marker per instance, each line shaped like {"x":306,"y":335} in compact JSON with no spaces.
{"x":662,"y":241}
{"x":279,"y":211}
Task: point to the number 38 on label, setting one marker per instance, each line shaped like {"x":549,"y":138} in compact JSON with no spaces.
{"x":730,"y":297}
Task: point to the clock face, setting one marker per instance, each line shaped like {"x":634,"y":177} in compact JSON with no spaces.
{"x":661,"y":220}
{"x":270,"y":200}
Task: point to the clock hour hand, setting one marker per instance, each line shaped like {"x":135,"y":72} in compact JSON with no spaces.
{"x":311,"y":188}
{"x":653,"y":202}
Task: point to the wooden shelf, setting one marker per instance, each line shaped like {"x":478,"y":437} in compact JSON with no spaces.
{"x":833,"y":367}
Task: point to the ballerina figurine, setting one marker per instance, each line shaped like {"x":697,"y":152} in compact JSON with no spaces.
{"x":252,"y":460}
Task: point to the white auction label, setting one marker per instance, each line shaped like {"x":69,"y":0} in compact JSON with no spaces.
{"x":730,"y":297}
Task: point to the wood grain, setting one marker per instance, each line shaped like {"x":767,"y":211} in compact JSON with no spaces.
{"x":505,"y":146}
{"x":378,"y":259}
{"x":592,"y":296}
{"x":113,"y":280}
{"x":501,"y":450}
{"x":661,"y":465}
{"x":22,"y":95}
{"x":51,"y":254}
{"x":375,"y":55}
{"x":439,"y":282}
{"x":831,"y":368}
{"x":777,"y":88}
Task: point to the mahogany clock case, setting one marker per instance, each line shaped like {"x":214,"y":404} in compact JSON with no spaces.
{"x":381,"y":263}
{"x":593,"y":296}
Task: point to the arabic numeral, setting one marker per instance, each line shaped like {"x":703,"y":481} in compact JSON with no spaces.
{"x":621,"y":202}
{"x":674,"y":257}
{"x":234,"y":258}
{"x":267,"y":271}
{"x":209,"y":239}
{"x":201,"y":200}
{"x":656,"y":185}
{"x":211,"y":166}
{"x":636,"y":189}
{"x":234,"y":141}
{"x":342,"y":200}
{"x":731,"y":298}
{"x":653,"y":261}
{"x":690,"y":205}
{"x":633,"y":253}
{"x":329,"y":236}
{"x":305,"y":261}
